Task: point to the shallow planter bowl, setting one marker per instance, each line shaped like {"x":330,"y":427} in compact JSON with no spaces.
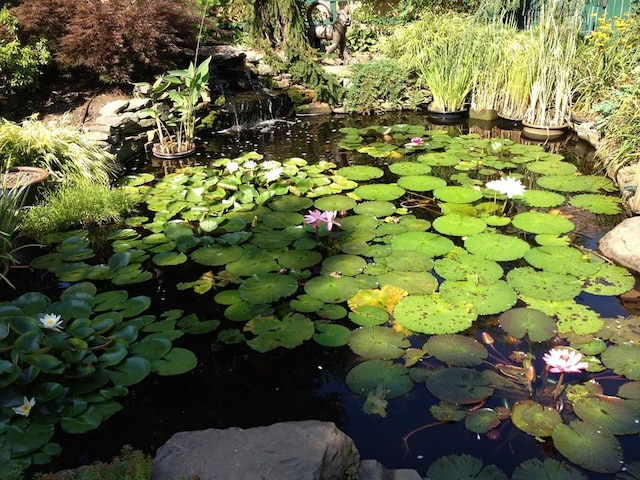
{"x":23,"y":175}
{"x":540,"y":132}
{"x":172,"y":156}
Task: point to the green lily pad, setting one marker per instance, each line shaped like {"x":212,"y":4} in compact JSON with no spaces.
{"x":409,"y":168}
{"x":547,"y":469}
{"x":551,"y":168}
{"x":369,"y":315}
{"x":290,"y":203}
{"x":360,"y":172}
{"x":366,"y":377}
{"x":275,"y":239}
{"x":459,"y":225}
{"x":299,"y":259}
{"x":349,"y":265}
{"x":431,"y":244}
{"x":486,"y":298}
{"x":267,"y":287}
{"x":463,"y":467}
{"x":378,"y":343}
{"x":457,"y":194}
{"x":543,"y":285}
{"x":271,"y":333}
{"x":459,"y":385}
{"x":407,"y":260}
{"x":421,"y":183}
{"x":572,"y":317}
{"x":459,"y":265}
{"x":253,"y":261}
{"x":540,"y":222}
{"x":382,"y":192}
{"x":541,"y":198}
{"x":433,"y":314}
{"x":176,"y":362}
{"x":623,"y":360}
{"x":216,"y":255}
{"x":334,"y":202}
{"x":609,"y":280}
{"x":130,"y":371}
{"x":280,"y":219}
{"x":496,"y":246}
{"x":332,"y":289}
{"x":243,"y":311}
{"x":576,"y":183}
{"x":589,"y":446}
{"x":482,"y":420}
{"x":457,"y":350}
{"x":412,"y":282}
{"x":618,"y":416}
{"x":331,"y":335}
{"x":561,"y":259}
{"x":169,"y":258}
{"x":439,"y":159}
{"x":519,"y":322}
{"x":535,"y":419}
{"x":375,"y":208}
{"x":600,"y":204}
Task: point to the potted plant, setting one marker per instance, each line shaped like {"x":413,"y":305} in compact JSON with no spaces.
{"x":551,"y":68}
{"x":176,"y":97}
{"x":513,"y":98}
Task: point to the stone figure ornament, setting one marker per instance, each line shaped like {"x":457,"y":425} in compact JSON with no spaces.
{"x":335,"y":32}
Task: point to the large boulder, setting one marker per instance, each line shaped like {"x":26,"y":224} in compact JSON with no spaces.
{"x":305,"y":450}
{"x":622,"y":244}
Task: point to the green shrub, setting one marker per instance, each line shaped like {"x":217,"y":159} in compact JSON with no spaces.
{"x":377,"y":82}
{"x":77,"y":205}
{"x":20,"y":65}
{"x":56,"y":146}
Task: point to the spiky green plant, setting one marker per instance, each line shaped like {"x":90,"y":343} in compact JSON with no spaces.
{"x":11,"y":214}
{"x":516,"y":83}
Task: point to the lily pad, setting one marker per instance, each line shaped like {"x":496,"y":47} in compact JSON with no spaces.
{"x":216,"y":255}
{"x":334,"y":202}
{"x":421,"y":183}
{"x":409,"y":168}
{"x":369,"y":315}
{"x":496,"y":246}
{"x":535,"y":419}
{"x":331,"y":289}
{"x":375,"y":208}
{"x":331,"y":335}
{"x":589,"y":446}
{"x":271,"y":333}
{"x":378,"y":343}
{"x":609,"y":280}
{"x":431,"y":244}
{"x":267,"y":288}
{"x":561,"y":259}
{"x":459,"y":225}
{"x":457,"y":350}
{"x":411,"y":282}
{"x":433,"y":314}
{"x":459,"y":265}
{"x":541,"y":198}
{"x":408,"y":260}
{"x":540,"y":222}
{"x":439,"y":159}
{"x":486,"y":298}
{"x":551,"y":168}
{"x":253,"y":261}
{"x":618,"y":416}
{"x":543,"y":285}
{"x":459,"y":385}
{"x":623,"y":360}
{"x":519,"y":322}
{"x":349,"y":265}
{"x":547,"y":469}
{"x":299,"y":259}
{"x":367,"y":377}
{"x":482,"y":420}
{"x":576,"y":183}
{"x":457,"y":194}
{"x":600,"y":204}
{"x":463,"y":467}
{"x":382,"y":192}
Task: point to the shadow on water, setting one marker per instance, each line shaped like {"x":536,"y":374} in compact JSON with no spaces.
{"x":235,"y":386}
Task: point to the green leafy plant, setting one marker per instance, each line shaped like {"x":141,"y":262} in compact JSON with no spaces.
{"x":56,"y":146}
{"x":81,"y":205}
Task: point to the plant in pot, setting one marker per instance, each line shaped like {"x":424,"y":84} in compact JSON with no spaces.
{"x":551,"y":68}
{"x":176,"y":97}
{"x":513,"y":98}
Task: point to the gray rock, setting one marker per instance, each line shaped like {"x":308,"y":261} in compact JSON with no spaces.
{"x":113,"y":108}
{"x":136,"y":104}
{"x":306,"y":450}
{"x":622,"y":244}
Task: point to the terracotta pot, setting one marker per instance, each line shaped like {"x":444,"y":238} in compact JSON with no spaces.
{"x":24,"y":175}
{"x":541,"y":132}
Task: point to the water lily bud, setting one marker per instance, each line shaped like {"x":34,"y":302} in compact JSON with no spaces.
{"x":487,"y":339}
{"x":530,"y":374}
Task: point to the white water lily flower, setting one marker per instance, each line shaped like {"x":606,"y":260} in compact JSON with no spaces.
{"x":508,"y":186}
{"x":232,"y":166}
{"x":249,"y":164}
{"x":270,"y":164}
{"x":273,"y":174}
{"x":51,"y":322}
{"x":25,"y":408}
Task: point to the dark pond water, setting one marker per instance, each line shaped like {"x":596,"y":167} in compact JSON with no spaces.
{"x":235,"y":386}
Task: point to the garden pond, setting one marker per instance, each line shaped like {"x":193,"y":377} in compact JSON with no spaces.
{"x":416,"y":321}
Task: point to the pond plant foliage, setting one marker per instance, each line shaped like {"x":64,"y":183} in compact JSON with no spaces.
{"x":420,"y":258}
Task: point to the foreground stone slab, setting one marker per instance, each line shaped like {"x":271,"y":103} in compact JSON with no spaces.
{"x":306,"y":450}
{"x":622,"y":244}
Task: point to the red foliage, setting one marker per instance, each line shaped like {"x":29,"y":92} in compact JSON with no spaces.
{"x":116,"y":41}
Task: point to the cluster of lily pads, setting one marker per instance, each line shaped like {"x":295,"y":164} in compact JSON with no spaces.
{"x":422,"y":255}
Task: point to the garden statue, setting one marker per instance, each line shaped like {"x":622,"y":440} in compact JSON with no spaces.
{"x":335,"y":32}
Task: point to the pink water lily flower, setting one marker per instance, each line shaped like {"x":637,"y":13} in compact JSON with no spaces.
{"x":329,"y":218}
{"x":564,"y":360}
{"x":315,"y":217}
{"x":415,"y":142}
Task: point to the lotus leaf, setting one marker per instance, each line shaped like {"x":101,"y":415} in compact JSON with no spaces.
{"x":375,"y":208}
{"x":390,"y":229}
{"x":360,"y":224}
{"x":552,"y":168}
{"x":280,"y":219}
{"x":349,"y":265}
{"x":561,"y":259}
{"x":243,"y":311}
{"x":589,"y":446}
{"x":407,"y":260}
{"x":298,"y":259}
{"x":463,"y":467}
{"x":252,"y":261}
{"x":368,"y":315}
{"x":459,"y":265}
{"x":572,"y":317}
{"x":331,"y":311}
{"x":431,"y":244}
{"x":169,"y":258}
{"x":275,"y":239}
{"x":618,"y":416}
{"x":331,"y":289}
{"x":380,"y":192}
{"x":439,"y":159}
{"x":457,"y":194}
{"x":421,"y":183}
{"x":576,"y":183}
{"x":386,"y":297}
{"x":630,"y":390}
{"x":541,"y":198}
{"x":415,"y":224}
{"x":623,"y":360}
{"x":609,"y":280}
{"x":486,"y":297}
{"x":621,"y":330}
{"x":482,"y":420}
{"x":271,"y":333}
{"x":360,"y":172}
{"x":331,"y":335}
{"x":378,"y":343}
{"x":216,"y":255}
{"x":411,"y":282}
{"x":130,"y":371}
{"x":409,"y":168}
{"x":519,"y":322}
{"x":334,"y":202}
{"x":267,"y":287}
{"x":547,"y":469}
{"x":459,"y":385}
{"x":496,"y":246}
{"x":457,"y":350}
{"x":459,"y":225}
{"x":370,"y":375}
{"x":540,"y":222}
{"x":176,"y":362}
{"x":543,"y":285}
{"x":601,"y":204}
{"x":433,"y":314}
{"x":535,"y":419}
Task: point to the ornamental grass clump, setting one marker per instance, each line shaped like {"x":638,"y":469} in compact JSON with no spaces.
{"x":513,"y":98}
